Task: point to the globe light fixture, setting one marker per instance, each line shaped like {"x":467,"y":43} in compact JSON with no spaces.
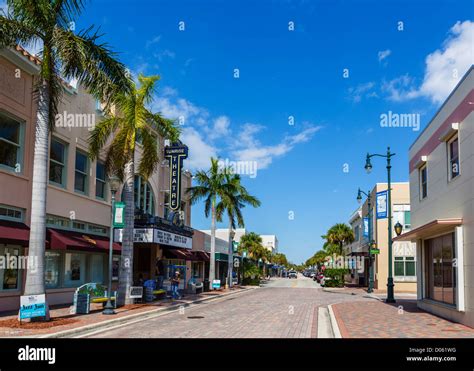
{"x":368,"y":165}
{"x":398,"y":228}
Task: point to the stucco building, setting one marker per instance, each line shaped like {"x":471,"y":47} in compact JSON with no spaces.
{"x":442,"y":201}
{"x":78,"y":196}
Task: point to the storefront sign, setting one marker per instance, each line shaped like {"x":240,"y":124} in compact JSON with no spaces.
{"x":175,"y":155}
{"x":119,"y":212}
{"x":172,"y":239}
{"x":382,"y":204}
{"x":216,"y":284}
{"x":136,"y":292}
{"x":155,"y":235}
{"x":32,"y":306}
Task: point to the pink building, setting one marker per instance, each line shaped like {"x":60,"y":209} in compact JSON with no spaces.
{"x":78,"y":199}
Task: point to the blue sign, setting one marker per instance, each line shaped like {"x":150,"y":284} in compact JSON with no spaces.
{"x":216,"y":284}
{"x":32,"y":306}
{"x":382,"y":204}
{"x":366,"y":227}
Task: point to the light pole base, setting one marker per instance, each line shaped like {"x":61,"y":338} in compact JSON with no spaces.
{"x":390,"y":296}
{"x":109,"y":308}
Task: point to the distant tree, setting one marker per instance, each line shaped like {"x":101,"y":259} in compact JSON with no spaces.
{"x":337,"y":236}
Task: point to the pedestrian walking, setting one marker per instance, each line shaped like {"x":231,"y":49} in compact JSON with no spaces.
{"x":175,"y":285}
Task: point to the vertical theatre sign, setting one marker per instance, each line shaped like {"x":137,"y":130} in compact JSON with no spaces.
{"x":175,"y":155}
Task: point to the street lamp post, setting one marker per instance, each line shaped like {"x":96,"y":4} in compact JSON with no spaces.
{"x":230,"y":259}
{"x":114,"y":183}
{"x":368,"y":168}
{"x":370,"y":286}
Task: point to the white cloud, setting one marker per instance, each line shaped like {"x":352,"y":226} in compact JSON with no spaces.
{"x":383,"y":54}
{"x":161,"y":55}
{"x":253,"y":150}
{"x":444,"y":68}
{"x":365,"y":89}
{"x":400,"y":89}
{"x":220,"y":128}
{"x":152,"y":41}
{"x":200,"y":152}
{"x":209,"y":137}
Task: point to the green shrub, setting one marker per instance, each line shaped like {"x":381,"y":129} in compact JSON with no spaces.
{"x":336,"y":276}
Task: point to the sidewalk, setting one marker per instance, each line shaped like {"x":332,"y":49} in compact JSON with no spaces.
{"x":377,"y":319}
{"x":62,"y":320}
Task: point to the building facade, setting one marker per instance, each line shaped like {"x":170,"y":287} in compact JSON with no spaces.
{"x":404,"y":252}
{"x":78,"y":196}
{"x":442,"y":200}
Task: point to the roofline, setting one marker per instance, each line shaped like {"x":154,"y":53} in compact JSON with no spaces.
{"x":442,"y":106}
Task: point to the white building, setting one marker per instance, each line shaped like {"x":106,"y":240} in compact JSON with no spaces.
{"x":442,"y":207}
{"x":270,"y":241}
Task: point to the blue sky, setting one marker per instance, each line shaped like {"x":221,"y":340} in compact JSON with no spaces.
{"x":295,"y":73}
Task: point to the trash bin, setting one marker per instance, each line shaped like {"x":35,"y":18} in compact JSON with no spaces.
{"x":206,"y":285}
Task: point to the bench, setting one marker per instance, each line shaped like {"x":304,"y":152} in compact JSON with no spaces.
{"x":91,"y":293}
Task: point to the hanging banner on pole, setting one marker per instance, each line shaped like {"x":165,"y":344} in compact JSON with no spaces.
{"x":366,"y":227}
{"x":382,"y":204}
{"x":119,"y":211}
{"x":175,"y":155}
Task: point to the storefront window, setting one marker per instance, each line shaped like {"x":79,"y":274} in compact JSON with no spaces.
{"x":197,"y":269}
{"x":9,"y":272}
{"x":74,"y":270}
{"x":404,"y":266}
{"x":97,"y":268}
{"x":51,"y":269}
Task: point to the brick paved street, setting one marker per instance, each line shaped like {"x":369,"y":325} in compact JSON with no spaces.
{"x":376,"y":319}
{"x":283,"y":308}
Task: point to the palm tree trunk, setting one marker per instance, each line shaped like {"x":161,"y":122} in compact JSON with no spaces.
{"x":212,"y":262}
{"x":34,"y":284}
{"x":126,"y":263}
{"x":230,"y":257}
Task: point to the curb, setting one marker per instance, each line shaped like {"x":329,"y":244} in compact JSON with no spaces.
{"x":141,"y":316}
{"x":334,"y":325}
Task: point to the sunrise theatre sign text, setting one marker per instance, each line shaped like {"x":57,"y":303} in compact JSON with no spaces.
{"x":175,"y":155}
{"x":155,"y":235}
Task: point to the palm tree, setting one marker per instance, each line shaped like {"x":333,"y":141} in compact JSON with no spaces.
{"x":120,"y":132}
{"x":232,"y":204}
{"x":252,"y":243}
{"x":64,"y":54}
{"x":213,"y":187}
{"x":338,"y":235}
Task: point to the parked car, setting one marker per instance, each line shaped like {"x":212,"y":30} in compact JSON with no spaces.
{"x":324,"y":280}
{"x":292,"y":274}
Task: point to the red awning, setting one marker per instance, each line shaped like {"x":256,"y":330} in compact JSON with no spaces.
{"x":14,"y":233}
{"x":63,"y":240}
{"x":179,"y":254}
